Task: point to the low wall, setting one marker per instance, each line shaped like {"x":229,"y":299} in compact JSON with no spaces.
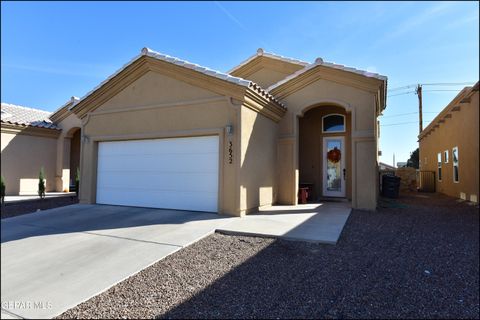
{"x":408,"y":177}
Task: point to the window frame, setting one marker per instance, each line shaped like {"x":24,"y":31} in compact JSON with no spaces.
{"x":445,"y":156}
{"x":334,"y":114}
{"x":455,"y":165}
{"x":439,"y":166}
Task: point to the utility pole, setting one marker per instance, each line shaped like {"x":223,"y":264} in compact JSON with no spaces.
{"x":394,"y":160}
{"x":418,"y":91}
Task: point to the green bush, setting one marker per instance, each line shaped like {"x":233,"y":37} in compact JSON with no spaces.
{"x":41,"y":184}
{"x":77,"y":181}
{"x":2,"y":190}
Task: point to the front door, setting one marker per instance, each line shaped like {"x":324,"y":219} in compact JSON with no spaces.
{"x":334,"y":167}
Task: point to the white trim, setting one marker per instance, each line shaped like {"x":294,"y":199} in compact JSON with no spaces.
{"x":342,"y":193}
{"x":457,"y":165}
{"x":439,"y":167}
{"x":334,"y":114}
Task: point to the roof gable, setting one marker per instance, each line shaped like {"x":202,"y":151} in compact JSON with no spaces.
{"x":267,"y":68}
{"x":149,"y":60}
{"x":360,"y":79}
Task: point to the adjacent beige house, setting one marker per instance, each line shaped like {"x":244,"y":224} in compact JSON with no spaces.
{"x":163,"y":132}
{"x":449,"y":147}
{"x":32,"y":139}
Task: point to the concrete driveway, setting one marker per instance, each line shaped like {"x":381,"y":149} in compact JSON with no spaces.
{"x":58,"y":258}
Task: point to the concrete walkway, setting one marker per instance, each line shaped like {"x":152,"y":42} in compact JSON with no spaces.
{"x":58,"y":258}
{"x":320,"y":222}
{"x":12,"y":199}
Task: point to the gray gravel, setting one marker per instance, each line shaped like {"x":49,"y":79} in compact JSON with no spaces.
{"x":416,"y":260}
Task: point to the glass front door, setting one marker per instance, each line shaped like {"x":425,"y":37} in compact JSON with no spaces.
{"x":334,"y":173}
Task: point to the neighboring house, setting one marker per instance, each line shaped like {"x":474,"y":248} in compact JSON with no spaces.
{"x":32,"y":139}
{"x":384,"y":166}
{"x":163,"y":132}
{"x":449,"y":146}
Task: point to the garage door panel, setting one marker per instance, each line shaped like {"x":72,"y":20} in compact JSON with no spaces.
{"x":167,"y":163}
{"x":198,"y":201}
{"x":177,"y":173}
{"x":161,"y":181}
{"x":173,"y":145}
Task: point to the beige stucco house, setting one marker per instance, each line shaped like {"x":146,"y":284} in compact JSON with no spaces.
{"x":449,"y":146}
{"x":163,"y":132}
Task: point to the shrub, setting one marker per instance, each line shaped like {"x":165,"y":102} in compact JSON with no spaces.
{"x":77,"y":181}
{"x":2,"y":190}
{"x":41,"y":184}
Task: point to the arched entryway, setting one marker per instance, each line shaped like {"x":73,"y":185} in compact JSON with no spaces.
{"x":324,"y":147}
{"x":68,"y":159}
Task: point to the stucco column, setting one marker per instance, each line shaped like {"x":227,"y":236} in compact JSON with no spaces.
{"x":287,"y":160}
{"x":364,"y":175}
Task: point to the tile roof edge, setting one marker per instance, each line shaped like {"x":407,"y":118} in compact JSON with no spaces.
{"x":50,"y":125}
{"x":23,"y":107}
{"x":320,"y":62}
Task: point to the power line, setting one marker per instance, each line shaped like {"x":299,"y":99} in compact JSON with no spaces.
{"x":399,"y":94}
{"x":448,"y":83}
{"x":400,"y":123}
{"x":404,"y":114}
{"x":404,"y":87}
{"x":441,"y":90}
{"x":434,"y":84}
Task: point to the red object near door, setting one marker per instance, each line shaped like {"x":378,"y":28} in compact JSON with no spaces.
{"x":302,"y":195}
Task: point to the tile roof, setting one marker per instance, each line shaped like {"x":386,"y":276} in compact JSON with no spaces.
{"x":261,"y":52}
{"x":320,"y":62}
{"x":185,"y":64}
{"x":24,"y":116}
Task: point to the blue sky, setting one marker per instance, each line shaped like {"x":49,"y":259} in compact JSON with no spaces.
{"x":53,"y":50}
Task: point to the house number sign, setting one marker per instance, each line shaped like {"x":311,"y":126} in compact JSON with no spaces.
{"x":230,"y":152}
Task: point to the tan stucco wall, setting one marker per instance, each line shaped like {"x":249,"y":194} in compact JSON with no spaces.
{"x":311,"y":148}
{"x":461,"y":130}
{"x":22,"y":156}
{"x":155,"y":106}
{"x":258,"y":161}
{"x":360,"y":104}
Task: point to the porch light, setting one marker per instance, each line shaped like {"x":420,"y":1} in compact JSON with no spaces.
{"x":229,"y":129}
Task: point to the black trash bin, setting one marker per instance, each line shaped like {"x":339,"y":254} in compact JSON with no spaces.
{"x":390,"y":186}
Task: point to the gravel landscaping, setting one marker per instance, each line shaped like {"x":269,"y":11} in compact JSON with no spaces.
{"x":30,"y":206}
{"x":417,"y":257}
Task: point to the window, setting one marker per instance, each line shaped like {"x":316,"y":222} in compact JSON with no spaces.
{"x":455,"y":164}
{"x":445,"y":156}
{"x":333,"y":123}
{"x":439,"y":162}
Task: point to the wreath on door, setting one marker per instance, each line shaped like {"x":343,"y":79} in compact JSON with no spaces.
{"x":334,"y":155}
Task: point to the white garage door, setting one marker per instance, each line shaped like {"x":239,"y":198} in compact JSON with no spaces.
{"x":179,"y":173}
